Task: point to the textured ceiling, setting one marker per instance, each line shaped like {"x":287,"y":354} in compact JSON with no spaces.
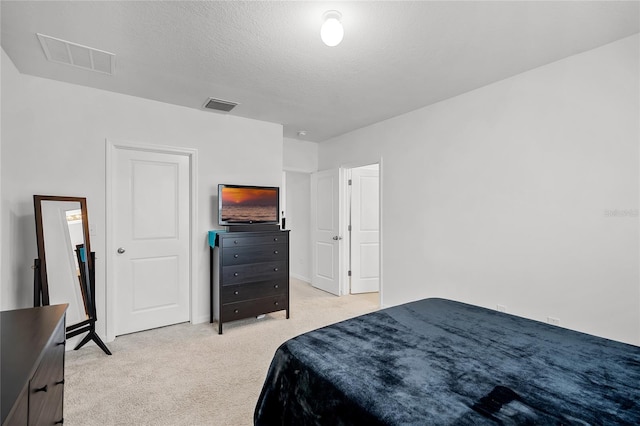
{"x":395,"y":57}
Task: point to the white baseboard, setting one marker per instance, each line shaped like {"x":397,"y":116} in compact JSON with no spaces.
{"x":201,"y":319}
{"x":300,"y":277}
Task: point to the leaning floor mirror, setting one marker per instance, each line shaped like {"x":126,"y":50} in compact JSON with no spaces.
{"x":64,"y":269}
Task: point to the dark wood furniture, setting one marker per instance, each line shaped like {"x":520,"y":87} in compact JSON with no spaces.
{"x":32,"y":358}
{"x":249,"y":275}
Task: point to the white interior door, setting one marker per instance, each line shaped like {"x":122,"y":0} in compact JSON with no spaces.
{"x":365,"y":230}
{"x":325,"y":226}
{"x":151,"y":225}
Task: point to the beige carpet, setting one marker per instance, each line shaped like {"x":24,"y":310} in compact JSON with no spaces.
{"x":188,"y":374}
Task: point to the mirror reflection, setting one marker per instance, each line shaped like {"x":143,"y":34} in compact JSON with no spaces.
{"x":63,"y":233}
{"x":64,"y":270}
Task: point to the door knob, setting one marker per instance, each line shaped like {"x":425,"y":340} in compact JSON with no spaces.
{"x":337,"y":238}
{"x":120,"y":250}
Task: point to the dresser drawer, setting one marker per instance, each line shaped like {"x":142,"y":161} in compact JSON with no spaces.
{"x":252,"y":308}
{"x":242,"y":292}
{"x":256,"y":254}
{"x":47,"y":384}
{"x":45,"y":408}
{"x":248,"y":241}
{"x":33,"y":344}
{"x":249,"y":274}
{"x":237,"y":274}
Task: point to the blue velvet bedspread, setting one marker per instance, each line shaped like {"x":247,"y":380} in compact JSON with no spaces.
{"x":439,"y":362}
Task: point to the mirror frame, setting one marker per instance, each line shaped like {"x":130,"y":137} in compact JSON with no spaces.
{"x":41,"y":282}
{"x":44,"y":283}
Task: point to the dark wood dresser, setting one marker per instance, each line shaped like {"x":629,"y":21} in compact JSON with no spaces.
{"x":249,"y":275}
{"x":32,"y":358}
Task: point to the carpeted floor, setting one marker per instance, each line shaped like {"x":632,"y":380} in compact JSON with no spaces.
{"x":188,"y":374}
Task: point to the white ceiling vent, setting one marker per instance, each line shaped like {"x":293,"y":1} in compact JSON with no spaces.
{"x":77,"y":55}
{"x":219,"y":105}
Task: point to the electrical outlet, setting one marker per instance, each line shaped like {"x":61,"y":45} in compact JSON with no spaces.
{"x":501,"y":308}
{"x":553,"y":321}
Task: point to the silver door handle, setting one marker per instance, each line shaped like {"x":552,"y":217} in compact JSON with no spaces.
{"x":337,"y":238}
{"x":121,"y":250}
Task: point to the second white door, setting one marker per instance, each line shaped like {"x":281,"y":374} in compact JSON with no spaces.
{"x":365,"y":230}
{"x":325,"y":234}
{"x":151,"y":225}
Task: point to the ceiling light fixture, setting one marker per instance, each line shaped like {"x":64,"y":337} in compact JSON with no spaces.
{"x":331,"y":31}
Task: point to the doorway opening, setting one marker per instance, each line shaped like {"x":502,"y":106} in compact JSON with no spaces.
{"x":346,"y":230}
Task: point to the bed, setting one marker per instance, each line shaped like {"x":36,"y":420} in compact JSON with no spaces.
{"x":440,"y":362}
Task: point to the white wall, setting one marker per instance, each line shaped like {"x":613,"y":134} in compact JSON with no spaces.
{"x":53,"y":137}
{"x":300,"y":156}
{"x":300,"y":160}
{"x":298,"y":187}
{"x":522,"y":193}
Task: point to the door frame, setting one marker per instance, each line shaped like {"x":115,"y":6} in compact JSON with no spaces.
{"x":111,"y":146}
{"x":345,"y":207}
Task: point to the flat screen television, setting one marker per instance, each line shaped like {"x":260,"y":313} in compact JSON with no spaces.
{"x":247,"y":205}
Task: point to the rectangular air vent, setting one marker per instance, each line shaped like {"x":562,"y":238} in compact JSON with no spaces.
{"x":219,"y":105}
{"x":77,"y":55}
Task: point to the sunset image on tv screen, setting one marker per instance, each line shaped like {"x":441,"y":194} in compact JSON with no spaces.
{"x":249,"y":205}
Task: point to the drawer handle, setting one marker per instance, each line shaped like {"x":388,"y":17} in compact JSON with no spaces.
{"x":235,"y":311}
{"x":236,"y":292}
{"x":276,"y":286}
{"x":275,"y":269}
{"x":64,"y":342}
{"x":275,"y":239}
{"x":275,"y":252}
{"x":235,"y":274}
{"x":42,"y":389}
{"x":235,"y":241}
{"x":60,"y":382}
{"x":235,"y":256}
{"x":59,"y":422}
{"x":275,"y":303}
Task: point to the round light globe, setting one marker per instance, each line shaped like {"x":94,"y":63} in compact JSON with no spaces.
{"x":331,"y":31}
